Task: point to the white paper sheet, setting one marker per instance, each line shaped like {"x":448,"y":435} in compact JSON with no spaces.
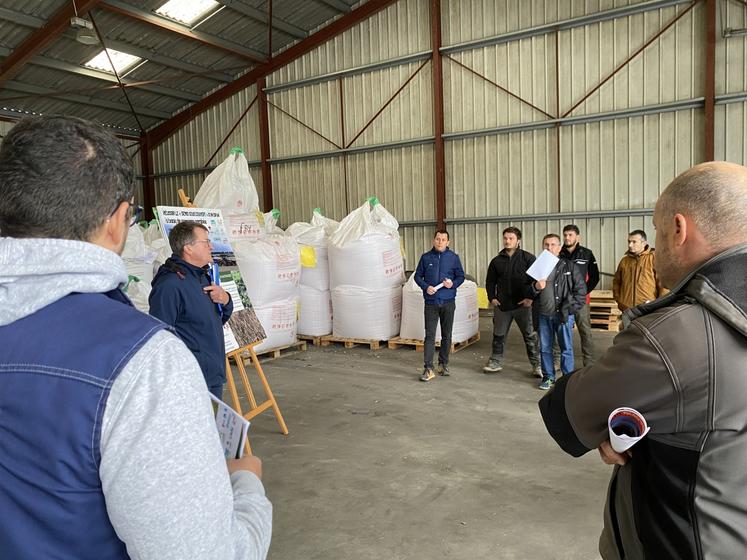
{"x":543,"y":266}
{"x":232,"y":428}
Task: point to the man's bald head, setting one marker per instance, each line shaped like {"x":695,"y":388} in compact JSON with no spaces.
{"x":714,"y":196}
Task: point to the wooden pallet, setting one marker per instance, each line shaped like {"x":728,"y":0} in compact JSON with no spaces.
{"x":315,"y":340}
{"x":419,"y":345}
{"x":350,"y":342}
{"x":605,"y":324}
{"x":299,"y":345}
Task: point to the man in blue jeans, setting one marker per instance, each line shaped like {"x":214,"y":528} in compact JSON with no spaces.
{"x":439,"y":274}
{"x":559,"y":297}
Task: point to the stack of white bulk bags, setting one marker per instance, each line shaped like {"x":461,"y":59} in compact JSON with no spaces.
{"x":366,"y":274}
{"x":315,"y":318}
{"x":466,"y":314}
{"x":267,"y":258}
{"x":271,"y":269}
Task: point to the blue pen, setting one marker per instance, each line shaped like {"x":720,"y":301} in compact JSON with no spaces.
{"x":215,"y":279}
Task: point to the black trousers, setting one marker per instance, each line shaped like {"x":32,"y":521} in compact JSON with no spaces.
{"x":433,"y":314}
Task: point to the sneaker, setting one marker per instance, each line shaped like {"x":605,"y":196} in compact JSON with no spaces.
{"x":546,"y":384}
{"x":427,"y":375}
{"x":537,"y":372}
{"x":493,"y":366}
{"x":443,"y":370}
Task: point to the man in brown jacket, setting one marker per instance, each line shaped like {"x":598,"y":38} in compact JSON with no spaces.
{"x":635,"y":279}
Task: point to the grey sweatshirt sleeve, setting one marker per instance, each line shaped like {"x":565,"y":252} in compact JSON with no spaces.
{"x":165,"y":481}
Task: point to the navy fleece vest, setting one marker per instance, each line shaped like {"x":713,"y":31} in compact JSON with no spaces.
{"x":57,"y":367}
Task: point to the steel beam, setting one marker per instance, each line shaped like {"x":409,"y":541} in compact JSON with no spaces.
{"x":145,"y":54}
{"x":149,"y":189}
{"x":264,"y":146}
{"x":392,"y":62}
{"x":166,"y":129}
{"x":81,"y":99}
{"x":585,"y":215}
{"x":42,"y":38}
{"x":710,"y":80}
{"x":438,"y":113}
{"x":261,"y":16}
{"x":563,"y":25}
{"x":117,"y":7}
{"x":54,"y":64}
{"x":338,"y":5}
{"x":15,"y":116}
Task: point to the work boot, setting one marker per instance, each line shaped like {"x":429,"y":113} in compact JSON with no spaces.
{"x":492,"y":366}
{"x":427,"y":375}
{"x":443,"y":370}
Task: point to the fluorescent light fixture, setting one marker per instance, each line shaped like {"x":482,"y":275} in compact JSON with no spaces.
{"x":186,"y":11}
{"x":122,"y":61}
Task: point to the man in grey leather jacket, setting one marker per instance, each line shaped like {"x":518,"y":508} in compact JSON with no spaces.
{"x":681,"y":492}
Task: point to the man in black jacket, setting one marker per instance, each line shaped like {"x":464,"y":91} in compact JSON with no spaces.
{"x":510,"y":291}
{"x":559,"y":298}
{"x":584,"y":260}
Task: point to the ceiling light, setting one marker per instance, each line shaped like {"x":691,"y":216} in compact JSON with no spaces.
{"x":85,"y":33}
{"x":122,"y":61}
{"x":186,"y":11}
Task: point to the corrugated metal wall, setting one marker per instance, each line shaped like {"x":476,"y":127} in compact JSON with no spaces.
{"x":194,"y":144}
{"x":606,"y":163}
{"x":731,"y":78}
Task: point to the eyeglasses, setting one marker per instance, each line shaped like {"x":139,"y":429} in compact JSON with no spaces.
{"x":206,"y":241}
{"x":137,"y":213}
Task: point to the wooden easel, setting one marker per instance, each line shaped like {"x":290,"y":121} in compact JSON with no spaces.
{"x":254,"y":408}
{"x":237,"y":356}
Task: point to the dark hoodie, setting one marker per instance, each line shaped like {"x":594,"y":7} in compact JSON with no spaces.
{"x":178,"y":300}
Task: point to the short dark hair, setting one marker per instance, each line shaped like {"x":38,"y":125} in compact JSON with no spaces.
{"x":61,"y":177}
{"x":441,"y":231}
{"x":638,"y":232}
{"x":183,"y":234}
{"x":555,"y":235}
{"x":511,"y":229}
{"x":572,"y":227}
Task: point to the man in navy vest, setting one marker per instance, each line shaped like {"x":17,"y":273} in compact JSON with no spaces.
{"x":109,"y":448}
{"x":184,"y":297}
{"x":439,"y":274}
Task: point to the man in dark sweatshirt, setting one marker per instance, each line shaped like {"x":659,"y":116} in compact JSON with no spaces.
{"x":510,"y":291}
{"x":439,"y":274}
{"x":184,"y":297}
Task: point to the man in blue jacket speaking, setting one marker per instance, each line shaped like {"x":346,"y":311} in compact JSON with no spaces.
{"x":439,"y":274}
{"x":184,"y":297}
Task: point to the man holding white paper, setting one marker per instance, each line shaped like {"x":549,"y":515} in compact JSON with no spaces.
{"x":561,"y":292}
{"x":681,"y":491}
{"x":439,"y":274}
{"x":114,"y":446}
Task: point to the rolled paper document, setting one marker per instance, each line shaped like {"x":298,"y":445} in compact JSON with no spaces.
{"x":626,"y":426}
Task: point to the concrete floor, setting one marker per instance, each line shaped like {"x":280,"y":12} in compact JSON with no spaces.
{"x":380,"y":466}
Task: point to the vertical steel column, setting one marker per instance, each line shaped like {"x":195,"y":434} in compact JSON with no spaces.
{"x":149,"y":189}
{"x":342,"y":143}
{"x":710,"y":79}
{"x":557,"y":126}
{"x":264,"y":146}
{"x":438,"y":113}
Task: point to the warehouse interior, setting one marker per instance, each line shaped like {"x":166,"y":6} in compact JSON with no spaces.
{"x":473,"y":115}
